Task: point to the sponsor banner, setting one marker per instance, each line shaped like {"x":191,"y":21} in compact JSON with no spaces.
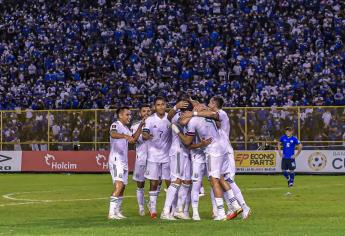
{"x":256,"y":161}
{"x":321,"y":161}
{"x":69,"y":161}
{"x":10,"y":161}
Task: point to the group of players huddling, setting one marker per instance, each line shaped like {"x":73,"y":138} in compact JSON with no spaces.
{"x":179,"y":147}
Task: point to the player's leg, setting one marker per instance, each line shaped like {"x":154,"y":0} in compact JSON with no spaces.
{"x":120,"y":178}
{"x":292,"y":167}
{"x":214,"y":165}
{"x":184,"y":193}
{"x":138,"y":176}
{"x":173,"y":188}
{"x":153,"y":173}
{"x":187,"y":179}
{"x":199,"y":170}
{"x":285,"y":169}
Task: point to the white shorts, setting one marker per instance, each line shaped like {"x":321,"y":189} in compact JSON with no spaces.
{"x":157,"y":171}
{"x":229,"y":167}
{"x":217,"y":165}
{"x":180,"y":167}
{"x":199,"y":171}
{"x":118,"y":173}
{"x":139,"y":172}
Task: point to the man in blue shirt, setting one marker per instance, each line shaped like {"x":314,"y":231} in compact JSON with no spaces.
{"x":288,"y":143}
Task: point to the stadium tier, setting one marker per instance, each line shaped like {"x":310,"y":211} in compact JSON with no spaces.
{"x":105,"y":54}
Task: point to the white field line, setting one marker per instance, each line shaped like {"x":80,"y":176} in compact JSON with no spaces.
{"x":10,"y":196}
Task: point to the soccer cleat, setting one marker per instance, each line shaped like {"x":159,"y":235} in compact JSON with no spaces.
{"x":167,"y":217}
{"x":290,"y":184}
{"x":186,"y":215}
{"x":201,"y":194}
{"x":220,"y":218}
{"x":142,"y":211}
{"x":233,"y":214}
{"x":119,"y":214}
{"x":181,"y":215}
{"x":246,"y":213}
{"x":153,"y":215}
{"x":114,"y":217}
{"x":196,"y":217}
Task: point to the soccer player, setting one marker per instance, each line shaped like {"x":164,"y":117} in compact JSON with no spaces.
{"x":215,"y":152}
{"x":140,"y":161}
{"x":289,"y":143}
{"x":179,"y":170}
{"x":120,"y":136}
{"x":157,"y":132}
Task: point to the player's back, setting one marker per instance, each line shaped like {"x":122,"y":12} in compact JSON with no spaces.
{"x":207,"y":128}
{"x":177,"y":145}
{"x":224,"y":122}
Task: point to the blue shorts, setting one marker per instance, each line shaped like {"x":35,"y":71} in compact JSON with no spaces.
{"x":288,"y":164}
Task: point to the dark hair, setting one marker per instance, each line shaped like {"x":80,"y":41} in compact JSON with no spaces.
{"x":219,"y":101}
{"x":120,"y":110}
{"x":289,"y":128}
{"x":144,"y":105}
{"x":188,"y":108}
{"x":183,"y":97}
{"x":159,"y":98}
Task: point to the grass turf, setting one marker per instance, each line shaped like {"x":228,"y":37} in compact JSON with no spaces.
{"x":62,"y":204}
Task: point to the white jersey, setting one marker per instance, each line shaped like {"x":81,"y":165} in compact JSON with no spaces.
{"x":140,"y":146}
{"x":177,"y":146}
{"x":159,"y":145}
{"x":225,"y":128}
{"x":207,"y":128}
{"x":198,"y":154}
{"x":224,"y":121}
{"x":119,"y":147}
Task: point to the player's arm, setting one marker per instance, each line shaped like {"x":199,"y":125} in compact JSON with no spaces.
{"x":186,"y":139}
{"x":137,"y":133}
{"x":203,"y":143}
{"x":179,"y":105}
{"x":299,"y":150}
{"x":205,"y":113}
{"x":115,"y":135}
{"x":280,"y":149}
{"x":146,"y":131}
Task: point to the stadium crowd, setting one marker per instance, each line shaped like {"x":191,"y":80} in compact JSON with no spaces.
{"x":103,"y":54}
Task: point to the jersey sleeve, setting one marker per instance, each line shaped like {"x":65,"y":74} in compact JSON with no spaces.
{"x":281,"y":139}
{"x":297,"y":142}
{"x":113,"y":128}
{"x":191,"y":127}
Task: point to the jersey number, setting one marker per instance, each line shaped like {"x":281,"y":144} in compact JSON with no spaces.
{"x":160,"y":133}
{"x":212,"y":122}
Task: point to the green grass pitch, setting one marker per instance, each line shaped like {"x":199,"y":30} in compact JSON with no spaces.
{"x":61,"y":204}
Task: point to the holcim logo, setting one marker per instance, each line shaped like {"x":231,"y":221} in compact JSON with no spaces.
{"x":50,"y":161}
{"x":102,"y":161}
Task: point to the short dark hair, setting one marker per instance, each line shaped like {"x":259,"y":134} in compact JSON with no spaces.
{"x":144,"y":105}
{"x":219,"y":101}
{"x":288,"y":128}
{"x":159,"y":98}
{"x":120,"y":110}
{"x":188,"y":108}
{"x":183,"y":97}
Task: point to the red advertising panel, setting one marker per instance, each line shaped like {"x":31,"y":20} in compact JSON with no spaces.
{"x":69,"y":161}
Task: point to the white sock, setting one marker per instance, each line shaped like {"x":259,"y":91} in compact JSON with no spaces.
{"x":202,"y":190}
{"x":187,"y":200}
{"x":182,"y":196}
{"x":195,"y":195}
{"x":214,"y":205}
{"x":153,"y":201}
{"x":171,"y":195}
{"x":113,"y":205}
{"x":119,"y":207}
{"x":238,"y":195}
{"x":220,"y":206}
{"x":232,"y":200}
{"x":140,"y":198}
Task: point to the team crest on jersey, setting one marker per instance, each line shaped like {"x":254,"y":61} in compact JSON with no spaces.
{"x":291,"y":141}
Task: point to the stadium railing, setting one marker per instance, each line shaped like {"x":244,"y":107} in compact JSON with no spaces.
{"x":252,"y":128}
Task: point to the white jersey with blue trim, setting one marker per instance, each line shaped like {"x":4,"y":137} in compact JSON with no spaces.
{"x":119,"y":147}
{"x":177,"y":146}
{"x":207,"y":128}
{"x":158,"y":146}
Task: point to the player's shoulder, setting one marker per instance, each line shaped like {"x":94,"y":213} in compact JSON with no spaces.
{"x":151,"y":117}
{"x":135,"y":124}
{"x":282,"y":138}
